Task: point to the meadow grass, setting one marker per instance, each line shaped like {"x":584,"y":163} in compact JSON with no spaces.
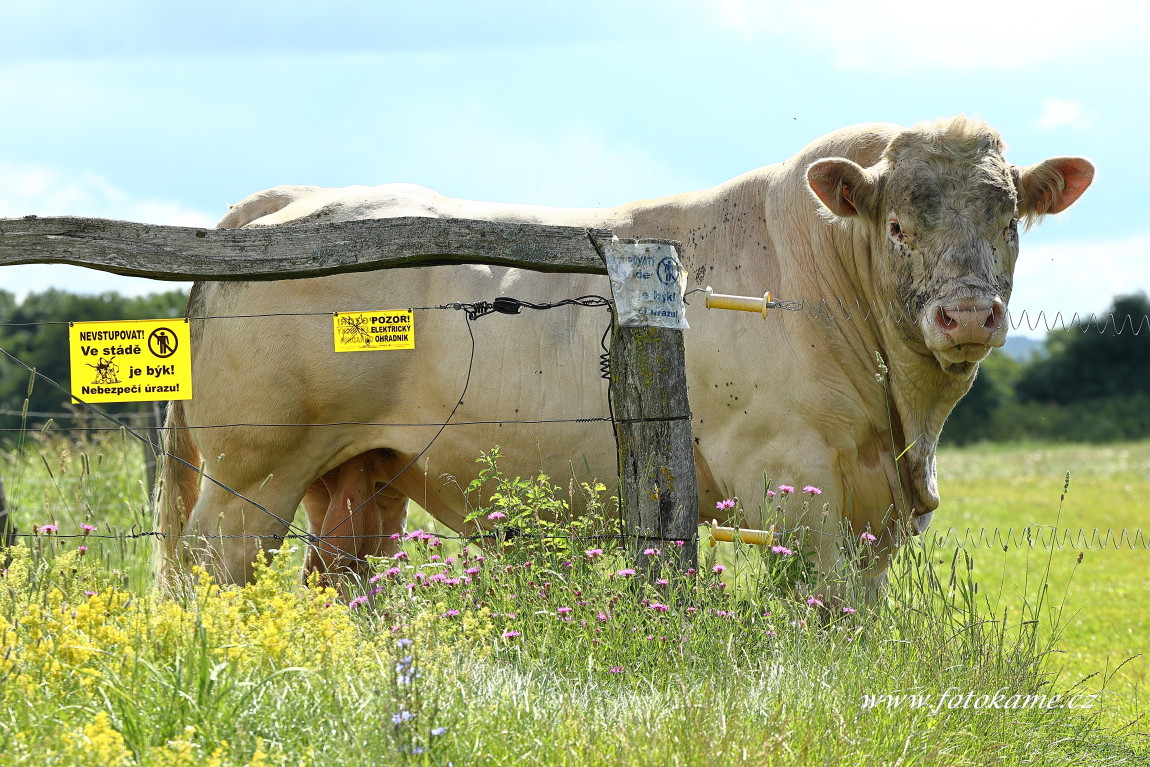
{"x":548,"y":654}
{"x":1099,"y":593}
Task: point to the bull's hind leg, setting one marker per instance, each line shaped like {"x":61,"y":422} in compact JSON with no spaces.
{"x":354,"y":510}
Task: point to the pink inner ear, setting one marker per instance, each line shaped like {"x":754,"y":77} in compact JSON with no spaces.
{"x":826,"y":180}
{"x":1077,"y":173}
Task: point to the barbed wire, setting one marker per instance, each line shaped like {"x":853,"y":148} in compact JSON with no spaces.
{"x":1032,"y":537}
{"x":472,"y":312}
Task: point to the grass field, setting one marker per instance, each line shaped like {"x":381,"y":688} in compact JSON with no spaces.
{"x":1105,"y":598}
{"x":560,"y":657}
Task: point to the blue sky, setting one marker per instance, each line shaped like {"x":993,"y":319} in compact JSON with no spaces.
{"x":166,"y":112}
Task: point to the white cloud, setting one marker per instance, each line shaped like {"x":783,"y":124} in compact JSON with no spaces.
{"x":1075,"y":278}
{"x":911,"y":34}
{"x":37,"y":190}
{"x":41,"y":191}
{"x":1057,"y":113}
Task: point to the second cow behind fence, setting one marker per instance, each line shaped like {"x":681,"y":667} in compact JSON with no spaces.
{"x":920,"y":223}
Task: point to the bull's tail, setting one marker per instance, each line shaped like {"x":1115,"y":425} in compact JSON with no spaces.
{"x":177,"y":490}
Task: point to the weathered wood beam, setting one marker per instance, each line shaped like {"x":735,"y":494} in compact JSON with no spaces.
{"x":299,"y":250}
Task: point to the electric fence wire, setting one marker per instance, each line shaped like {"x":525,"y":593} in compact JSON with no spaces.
{"x":818,"y":309}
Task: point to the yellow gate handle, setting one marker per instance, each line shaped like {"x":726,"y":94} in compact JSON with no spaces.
{"x":739,"y":303}
{"x":759,"y":537}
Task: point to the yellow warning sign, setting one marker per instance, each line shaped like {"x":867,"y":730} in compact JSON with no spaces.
{"x":130,"y":361}
{"x":373,"y":331}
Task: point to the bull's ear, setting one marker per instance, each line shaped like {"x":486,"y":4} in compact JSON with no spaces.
{"x":1053,"y":185}
{"x":844,"y":187}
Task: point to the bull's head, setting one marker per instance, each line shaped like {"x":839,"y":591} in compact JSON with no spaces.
{"x":941,"y":209}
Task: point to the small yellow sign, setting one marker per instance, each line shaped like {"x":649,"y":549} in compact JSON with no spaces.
{"x":130,"y":361}
{"x":374,"y":331}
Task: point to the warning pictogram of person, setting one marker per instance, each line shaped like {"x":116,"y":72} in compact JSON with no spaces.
{"x":162,"y":342}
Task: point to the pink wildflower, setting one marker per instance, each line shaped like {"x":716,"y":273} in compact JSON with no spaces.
{"x":82,"y":549}
{"x":771,"y":493}
{"x":814,"y":601}
{"x":400,"y":555}
{"x":723,"y":505}
{"x":48,"y":529}
{"x":615,"y":670}
{"x":786,"y":489}
{"x":471,"y":571}
{"x":849,"y":610}
{"x":450,"y":613}
{"x":360,"y":600}
{"x":658,"y":607}
{"x":88,"y":529}
{"x":592,"y":553}
{"x":867,"y":538}
{"x":563,"y":610}
{"x":718,"y":569}
{"x":783,"y":550}
{"x":495,"y":516}
{"x":626,"y":572}
{"x":510,"y":634}
{"x":650,"y":552}
{"x":812,"y":490}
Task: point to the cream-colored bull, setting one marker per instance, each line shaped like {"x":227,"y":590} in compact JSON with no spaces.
{"x":924,"y":218}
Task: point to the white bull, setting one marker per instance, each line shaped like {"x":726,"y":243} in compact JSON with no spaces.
{"x":922,"y":219}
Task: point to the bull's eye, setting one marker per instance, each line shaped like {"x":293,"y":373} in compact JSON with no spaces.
{"x":1011,"y":232}
{"x":895,"y":229}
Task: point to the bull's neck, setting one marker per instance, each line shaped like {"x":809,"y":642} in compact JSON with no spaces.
{"x":917,"y":394}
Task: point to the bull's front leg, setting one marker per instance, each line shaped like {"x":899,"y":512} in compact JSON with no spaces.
{"x":225,"y":534}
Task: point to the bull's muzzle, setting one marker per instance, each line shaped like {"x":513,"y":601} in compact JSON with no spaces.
{"x":970,"y":322}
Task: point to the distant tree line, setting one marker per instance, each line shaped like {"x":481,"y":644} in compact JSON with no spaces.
{"x":1089,"y":383}
{"x":35,"y":331}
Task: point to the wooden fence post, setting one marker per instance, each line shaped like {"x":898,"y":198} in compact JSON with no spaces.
{"x":658,"y":487}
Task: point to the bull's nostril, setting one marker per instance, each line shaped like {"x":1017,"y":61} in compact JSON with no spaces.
{"x":994,"y":318}
{"x":944,"y":320}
